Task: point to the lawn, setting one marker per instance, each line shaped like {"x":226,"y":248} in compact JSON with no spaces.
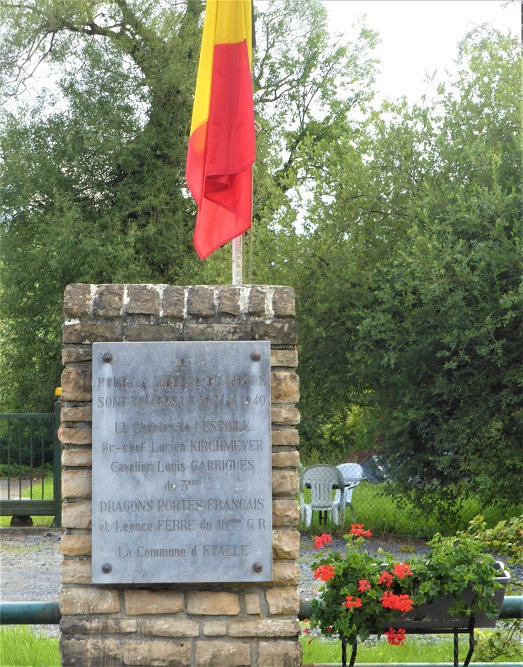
{"x":382,"y":514}
{"x":23,"y":647}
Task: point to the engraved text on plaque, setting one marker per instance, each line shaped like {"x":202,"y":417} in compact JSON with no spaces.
{"x":181,"y":462}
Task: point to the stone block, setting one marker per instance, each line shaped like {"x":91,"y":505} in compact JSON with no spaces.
{"x":285,"y":483}
{"x":212,"y":603}
{"x":76,"y":514}
{"x":286,"y":415}
{"x":285,"y":459}
{"x":285,"y":513}
{"x":225,"y":332}
{"x":108,"y":300}
{"x":76,"y":545}
{"x":229,"y":300}
{"x":76,"y":571}
{"x":76,"y":384}
{"x":285,"y":438}
{"x":97,"y":626}
{"x":77,"y":300}
{"x":157,"y":653}
{"x":78,"y":600}
{"x":80,"y":458}
{"x":143,"y":300}
{"x":285,"y":544}
{"x":83,"y":333}
{"x":257,"y":302}
{"x":76,"y":353}
{"x":264,"y":627}
{"x":252,"y":603}
{"x":76,"y":413}
{"x":215,"y":653}
{"x":279,"y":333}
{"x":153,"y":602}
{"x":285,"y":387}
{"x":138,"y":332}
{"x":75,"y":436}
{"x":283,"y":601}
{"x":77,"y":483}
{"x":279,"y":653}
{"x":200,"y":301}
{"x":284,"y":358}
{"x":173,"y":304}
{"x":169,"y":627}
{"x":285,"y":574}
{"x":91,"y":652}
{"x":215,"y":628}
{"x":284,"y":302}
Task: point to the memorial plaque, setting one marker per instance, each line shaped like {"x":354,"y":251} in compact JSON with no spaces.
{"x":181,"y":462}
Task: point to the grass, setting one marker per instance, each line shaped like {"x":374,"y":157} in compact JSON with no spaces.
{"x":21,"y":646}
{"x":382,"y":514}
{"x":424,"y":649}
{"x":40,"y":491}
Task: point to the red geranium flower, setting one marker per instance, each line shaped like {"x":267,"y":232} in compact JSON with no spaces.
{"x":385,"y":578}
{"x":399,"y":602}
{"x":401,"y":570}
{"x":322,"y":540}
{"x":350,"y":601}
{"x":395,"y":637}
{"x":357,"y":529}
{"x":363,"y":585}
{"x":324,"y":572}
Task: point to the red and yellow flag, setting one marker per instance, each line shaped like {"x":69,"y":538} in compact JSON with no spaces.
{"x":222,"y":147}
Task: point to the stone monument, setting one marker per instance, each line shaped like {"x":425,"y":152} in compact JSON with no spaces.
{"x":179,"y":476}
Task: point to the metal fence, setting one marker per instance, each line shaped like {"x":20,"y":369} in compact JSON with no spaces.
{"x":30,"y":483}
{"x":364,"y":499}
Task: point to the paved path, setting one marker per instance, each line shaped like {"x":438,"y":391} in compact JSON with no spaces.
{"x":11,"y":491}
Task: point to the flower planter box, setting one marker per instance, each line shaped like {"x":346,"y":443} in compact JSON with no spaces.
{"x":434,"y":616}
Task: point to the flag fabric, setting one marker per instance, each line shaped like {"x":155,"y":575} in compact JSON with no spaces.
{"x":222,"y":148}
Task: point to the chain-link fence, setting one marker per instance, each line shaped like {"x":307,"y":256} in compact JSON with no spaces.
{"x":333,"y":497}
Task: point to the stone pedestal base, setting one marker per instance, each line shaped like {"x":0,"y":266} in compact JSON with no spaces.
{"x":193,"y":625}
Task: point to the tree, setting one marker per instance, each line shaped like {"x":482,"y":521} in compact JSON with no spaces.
{"x":421,"y":258}
{"x":92,"y":172}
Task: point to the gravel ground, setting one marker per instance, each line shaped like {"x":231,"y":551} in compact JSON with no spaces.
{"x":30,"y":569}
{"x":30,"y":566}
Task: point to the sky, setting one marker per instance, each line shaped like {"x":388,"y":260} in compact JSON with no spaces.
{"x":419,"y":36}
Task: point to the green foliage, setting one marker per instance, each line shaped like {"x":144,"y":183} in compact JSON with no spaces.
{"x":351,"y":429}
{"x":505,"y":538}
{"x":416,"y":258}
{"x":503,"y":643}
{"x":26,"y":442}
{"x":92,"y":172}
{"x":22,"y":471}
{"x":91,"y":176}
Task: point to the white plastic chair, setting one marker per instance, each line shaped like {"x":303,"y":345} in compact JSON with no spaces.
{"x":352,"y":475}
{"x":322,"y":479}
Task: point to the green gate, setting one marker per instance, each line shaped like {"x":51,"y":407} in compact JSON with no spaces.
{"x":29,"y":453}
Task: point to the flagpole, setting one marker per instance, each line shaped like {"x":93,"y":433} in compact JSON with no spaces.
{"x":237,"y":260}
